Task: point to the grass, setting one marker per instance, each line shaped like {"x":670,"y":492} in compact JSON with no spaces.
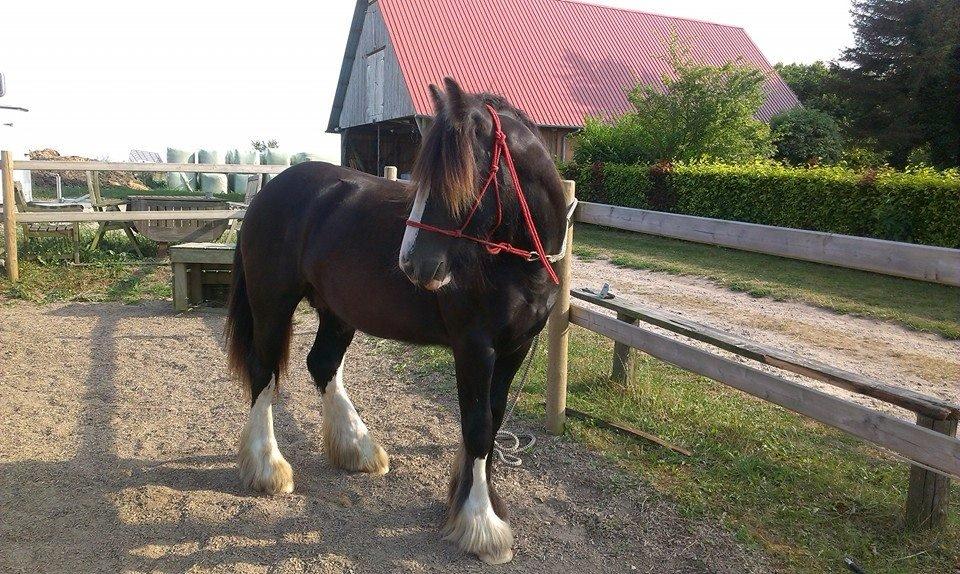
{"x":914,"y":304}
{"x":803,"y":493}
{"x":111,"y":273}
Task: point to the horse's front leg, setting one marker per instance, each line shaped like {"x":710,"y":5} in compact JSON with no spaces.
{"x":475,"y":519}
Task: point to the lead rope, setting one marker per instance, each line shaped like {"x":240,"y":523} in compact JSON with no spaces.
{"x":509,"y":452}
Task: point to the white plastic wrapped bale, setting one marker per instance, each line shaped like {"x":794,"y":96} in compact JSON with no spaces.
{"x":211,"y":183}
{"x":273,"y":157}
{"x":238,"y":181}
{"x":178,"y":179}
{"x":304,"y":157}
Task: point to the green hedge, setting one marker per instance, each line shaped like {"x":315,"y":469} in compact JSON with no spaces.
{"x":920,"y":206}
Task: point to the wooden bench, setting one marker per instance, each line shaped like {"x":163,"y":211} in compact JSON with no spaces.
{"x":198,"y":264}
{"x":184,"y":230}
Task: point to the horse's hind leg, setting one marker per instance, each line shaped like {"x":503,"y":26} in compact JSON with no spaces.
{"x":346,"y":439}
{"x":262,"y":467}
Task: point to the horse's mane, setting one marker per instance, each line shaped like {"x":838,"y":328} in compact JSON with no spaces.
{"x":447,"y":161}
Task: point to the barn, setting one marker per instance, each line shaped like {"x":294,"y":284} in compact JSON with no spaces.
{"x":558,"y":60}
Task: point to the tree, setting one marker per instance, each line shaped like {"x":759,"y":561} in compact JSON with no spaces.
{"x":806,"y":136}
{"x":705,"y":112}
{"x":263,"y":145}
{"x":904,"y":71}
{"x":818,"y":86}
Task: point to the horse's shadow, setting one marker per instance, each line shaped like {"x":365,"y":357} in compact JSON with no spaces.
{"x":99,"y":511}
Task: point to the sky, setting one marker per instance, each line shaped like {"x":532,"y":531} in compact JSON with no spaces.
{"x":101,"y":77}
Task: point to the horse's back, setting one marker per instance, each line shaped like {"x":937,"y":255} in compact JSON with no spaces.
{"x":334,"y":235}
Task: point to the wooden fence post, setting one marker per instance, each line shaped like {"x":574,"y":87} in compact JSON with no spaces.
{"x":928,"y":495}
{"x":623,"y":356}
{"x":558,"y":334}
{"x":9,"y":217}
{"x":390,"y":172}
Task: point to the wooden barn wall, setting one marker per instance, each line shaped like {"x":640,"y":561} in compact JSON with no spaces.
{"x":396,"y":99}
{"x":558,"y":142}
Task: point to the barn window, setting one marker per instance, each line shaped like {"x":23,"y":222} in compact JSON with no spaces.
{"x":375,"y":61}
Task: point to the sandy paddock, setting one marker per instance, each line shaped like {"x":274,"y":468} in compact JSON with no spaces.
{"x":120,"y":432}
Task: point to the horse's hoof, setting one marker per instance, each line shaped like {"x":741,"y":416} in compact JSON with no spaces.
{"x":266,"y":474}
{"x":502,"y":558}
{"x":483,"y":534}
{"x":355,"y":454}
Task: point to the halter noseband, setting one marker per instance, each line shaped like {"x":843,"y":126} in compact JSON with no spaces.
{"x":500,"y":148}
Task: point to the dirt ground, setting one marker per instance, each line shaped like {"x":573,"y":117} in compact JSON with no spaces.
{"x":895,"y":355}
{"x":120,"y":429}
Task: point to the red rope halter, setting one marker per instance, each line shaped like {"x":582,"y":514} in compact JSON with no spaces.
{"x":500,"y":149}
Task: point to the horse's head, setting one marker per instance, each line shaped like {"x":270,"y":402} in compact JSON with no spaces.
{"x":453,"y":164}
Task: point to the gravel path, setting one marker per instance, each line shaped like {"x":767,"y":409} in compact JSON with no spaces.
{"x":118,"y":455}
{"x":923,"y":362}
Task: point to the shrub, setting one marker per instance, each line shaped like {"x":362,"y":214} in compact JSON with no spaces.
{"x":918,"y":206}
{"x":806,"y":136}
{"x":705,"y":112}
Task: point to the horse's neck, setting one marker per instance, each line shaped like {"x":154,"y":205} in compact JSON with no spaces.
{"x":548,"y":210}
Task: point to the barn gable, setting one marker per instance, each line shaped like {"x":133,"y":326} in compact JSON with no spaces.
{"x":371,"y":87}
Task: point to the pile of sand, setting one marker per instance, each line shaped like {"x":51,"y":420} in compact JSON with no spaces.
{"x":47,"y":179}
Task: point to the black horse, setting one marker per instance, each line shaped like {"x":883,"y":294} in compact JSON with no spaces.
{"x":345,"y":240}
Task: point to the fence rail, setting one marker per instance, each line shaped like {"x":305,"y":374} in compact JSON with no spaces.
{"x":97,"y":216}
{"x":927,"y":447}
{"x":43,"y":165}
{"x":923,"y":262}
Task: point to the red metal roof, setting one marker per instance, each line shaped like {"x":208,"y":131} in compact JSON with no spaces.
{"x":558,"y":60}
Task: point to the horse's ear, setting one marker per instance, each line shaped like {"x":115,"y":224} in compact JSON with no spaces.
{"x":437,"y":96}
{"x":456,"y":100}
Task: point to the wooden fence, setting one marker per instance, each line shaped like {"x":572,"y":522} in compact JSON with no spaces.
{"x":930,"y":443}
{"x":12,"y":218}
{"x":923,"y":262}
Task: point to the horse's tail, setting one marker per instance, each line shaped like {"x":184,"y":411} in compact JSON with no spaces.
{"x":238,"y":329}
{"x":246,"y":361}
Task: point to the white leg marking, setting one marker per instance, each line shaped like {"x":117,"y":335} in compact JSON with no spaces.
{"x":262,"y":467}
{"x":416,"y":214}
{"x":345,"y":438}
{"x":477,"y":528}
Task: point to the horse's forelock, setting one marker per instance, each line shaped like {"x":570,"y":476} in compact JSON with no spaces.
{"x":447,"y":166}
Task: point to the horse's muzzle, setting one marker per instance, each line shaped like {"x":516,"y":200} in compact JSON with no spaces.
{"x":430,"y":274}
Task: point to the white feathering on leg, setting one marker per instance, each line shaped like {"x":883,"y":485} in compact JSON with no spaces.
{"x":346,"y":439}
{"x":476,"y":528}
{"x":262,"y":466}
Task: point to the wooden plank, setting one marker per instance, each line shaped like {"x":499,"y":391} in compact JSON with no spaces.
{"x":168,"y":215}
{"x":180,"y":287}
{"x":186,"y":254}
{"x":929,"y":406}
{"x":558,"y":334}
{"x":12,"y":262}
{"x":41,"y":165}
{"x":921,"y":445}
{"x":623,"y":356}
{"x":928,"y":496}
{"x":923,"y":262}
{"x":195,"y":277}
{"x":630,"y":430}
